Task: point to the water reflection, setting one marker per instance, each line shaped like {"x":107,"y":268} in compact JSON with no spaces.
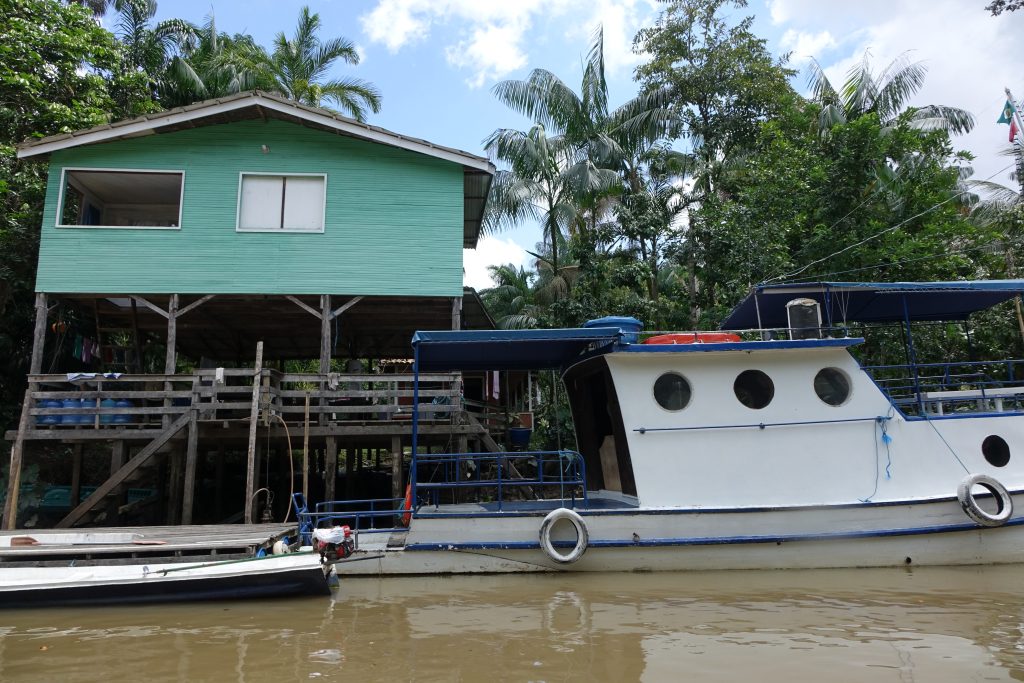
{"x":844,"y":625}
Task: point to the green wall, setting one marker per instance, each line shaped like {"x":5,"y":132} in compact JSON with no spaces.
{"x":393,"y":220}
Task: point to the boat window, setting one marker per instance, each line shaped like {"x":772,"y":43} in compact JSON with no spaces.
{"x":832,"y":386}
{"x":996,"y":450}
{"x":754,"y":389}
{"x":672,"y":391}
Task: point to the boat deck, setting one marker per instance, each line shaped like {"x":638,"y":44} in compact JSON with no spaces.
{"x":123,"y":545}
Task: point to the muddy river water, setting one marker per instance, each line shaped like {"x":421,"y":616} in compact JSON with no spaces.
{"x":947,"y":624}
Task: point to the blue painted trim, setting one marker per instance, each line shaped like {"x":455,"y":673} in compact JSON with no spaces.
{"x":721,"y":540}
{"x":742,"y":346}
{"x":962,"y":416}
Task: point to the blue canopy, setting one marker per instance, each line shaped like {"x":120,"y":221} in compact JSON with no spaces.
{"x":865,"y":302}
{"x":507,"y":349}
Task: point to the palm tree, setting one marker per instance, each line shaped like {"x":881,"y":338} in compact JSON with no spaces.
{"x":299,"y":65}
{"x":511,"y":298}
{"x":213,"y":65}
{"x":149,"y":48}
{"x":884,"y":95}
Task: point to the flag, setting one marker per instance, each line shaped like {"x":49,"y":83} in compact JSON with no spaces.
{"x":1008,"y":112}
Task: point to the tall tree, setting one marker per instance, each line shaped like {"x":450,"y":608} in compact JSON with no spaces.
{"x":149,"y":47}
{"x":299,"y":66}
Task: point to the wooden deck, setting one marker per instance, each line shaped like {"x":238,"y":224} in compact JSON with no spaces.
{"x":156,"y":543}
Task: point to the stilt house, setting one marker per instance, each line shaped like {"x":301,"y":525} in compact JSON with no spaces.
{"x":225,"y":238}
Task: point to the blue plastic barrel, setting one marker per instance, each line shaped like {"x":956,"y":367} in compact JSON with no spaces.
{"x":49,"y":419}
{"x":123,"y":418}
{"x":519,"y":437}
{"x":71,"y":418}
{"x":107,"y":418}
{"x":630,"y":327}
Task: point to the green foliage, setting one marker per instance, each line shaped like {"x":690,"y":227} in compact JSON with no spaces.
{"x":59,"y":72}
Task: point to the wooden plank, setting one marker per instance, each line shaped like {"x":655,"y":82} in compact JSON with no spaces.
{"x":195,"y":304}
{"x":150,"y":305}
{"x":131,"y":466}
{"x":457,"y":313}
{"x":304,"y":306}
{"x":250,"y":477}
{"x":344,"y":307}
{"x":14,"y":480}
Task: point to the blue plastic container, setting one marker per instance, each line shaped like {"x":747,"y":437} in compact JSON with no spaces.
{"x":122,"y":418}
{"x":108,"y":418}
{"x":631,"y":327}
{"x":49,"y":419}
{"x":519,"y":437}
{"x":71,"y":418}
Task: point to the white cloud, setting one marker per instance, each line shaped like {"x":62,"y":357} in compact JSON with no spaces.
{"x":490,"y":251}
{"x":969,"y":54}
{"x":493,"y":37}
{"x":806,"y":45}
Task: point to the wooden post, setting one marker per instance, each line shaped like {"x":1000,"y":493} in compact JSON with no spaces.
{"x":325,"y":351}
{"x":76,"y":475}
{"x":116,"y":456}
{"x":397,"y":490}
{"x":117,"y":453}
{"x":136,"y":342}
{"x":254,"y":411}
{"x":191,"y":456}
{"x":305,"y":453}
{"x":175,"y":477}
{"x":218,"y":478}
{"x":17,"y":450}
{"x":330,"y":467}
{"x":171,"y":360}
{"x":457,"y":313}
{"x":35,"y":365}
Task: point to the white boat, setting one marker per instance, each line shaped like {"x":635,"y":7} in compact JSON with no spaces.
{"x":35,"y":582}
{"x":767,"y":449}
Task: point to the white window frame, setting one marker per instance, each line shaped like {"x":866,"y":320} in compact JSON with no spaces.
{"x":63,"y":184}
{"x":280,"y":174}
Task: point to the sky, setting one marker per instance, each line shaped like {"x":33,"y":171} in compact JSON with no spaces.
{"x":435,"y":61}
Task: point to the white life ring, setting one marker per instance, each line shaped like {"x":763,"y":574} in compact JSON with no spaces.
{"x":582,"y":537}
{"x":1004,"y":503}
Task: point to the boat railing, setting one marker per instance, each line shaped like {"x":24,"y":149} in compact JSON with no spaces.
{"x":500,"y":479}
{"x":959,"y":387}
{"x":362,"y":516}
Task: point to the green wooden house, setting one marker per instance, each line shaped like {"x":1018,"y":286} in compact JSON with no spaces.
{"x":237,"y":223}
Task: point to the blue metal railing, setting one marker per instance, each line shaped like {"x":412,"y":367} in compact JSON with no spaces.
{"x":906,"y":388}
{"x":360,"y":515}
{"x":494,"y":476}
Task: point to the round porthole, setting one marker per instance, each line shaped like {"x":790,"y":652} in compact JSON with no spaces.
{"x":672,"y":391}
{"x":754,"y":389}
{"x":996,"y":450}
{"x":832,"y":386}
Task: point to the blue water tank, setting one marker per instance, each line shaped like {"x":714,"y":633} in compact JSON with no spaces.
{"x":631,"y":327}
{"x":107,"y":418}
{"x":124,"y":418}
{"x":49,"y":419}
{"x":71,"y":418}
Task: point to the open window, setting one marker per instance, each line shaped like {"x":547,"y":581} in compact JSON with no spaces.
{"x":276,"y":203}
{"x":120,"y":199}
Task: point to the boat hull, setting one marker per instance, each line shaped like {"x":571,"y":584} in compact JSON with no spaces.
{"x":862,"y":535}
{"x":278,"y":576}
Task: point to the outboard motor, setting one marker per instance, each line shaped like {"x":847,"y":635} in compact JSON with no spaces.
{"x":333,"y":544}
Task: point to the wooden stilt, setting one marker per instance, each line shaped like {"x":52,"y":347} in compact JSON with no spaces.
{"x":176,"y":460}
{"x":171,"y":359}
{"x":350,"y":472}
{"x":218,"y":479}
{"x":76,"y":475}
{"x":305,"y":452}
{"x":325,"y":349}
{"x":330,"y":467}
{"x":250,"y":478}
{"x":191,"y":456}
{"x":397,"y":488}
